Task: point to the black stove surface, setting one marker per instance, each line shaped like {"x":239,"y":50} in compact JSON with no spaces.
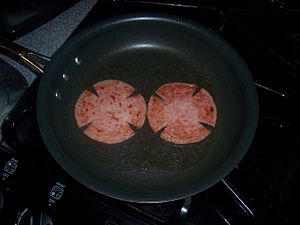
{"x":262,"y":189}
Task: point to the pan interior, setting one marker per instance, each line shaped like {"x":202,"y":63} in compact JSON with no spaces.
{"x":145,"y":54}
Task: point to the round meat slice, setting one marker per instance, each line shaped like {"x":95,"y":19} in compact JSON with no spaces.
{"x":107,"y":115}
{"x":180,"y":113}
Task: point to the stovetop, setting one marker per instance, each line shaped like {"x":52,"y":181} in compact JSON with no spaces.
{"x":262,"y":189}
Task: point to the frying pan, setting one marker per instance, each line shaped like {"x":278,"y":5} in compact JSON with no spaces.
{"x":145,"y":51}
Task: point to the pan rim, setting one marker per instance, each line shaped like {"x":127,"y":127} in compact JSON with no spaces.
{"x":235,"y":157}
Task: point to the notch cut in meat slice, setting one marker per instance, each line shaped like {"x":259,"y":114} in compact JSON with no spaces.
{"x":135,"y":108}
{"x":156,"y":115}
{"x":207,"y":111}
{"x":108,"y":114}
{"x":109,"y":132}
{"x":179,"y":133}
{"x":113,"y":90}
{"x":176,"y":90}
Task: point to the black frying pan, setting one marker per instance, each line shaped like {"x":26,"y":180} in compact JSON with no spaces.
{"x":146,"y":51}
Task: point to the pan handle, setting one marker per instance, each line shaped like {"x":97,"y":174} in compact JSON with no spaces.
{"x":33,"y":60}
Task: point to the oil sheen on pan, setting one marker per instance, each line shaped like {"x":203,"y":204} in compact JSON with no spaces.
{"x":106,"y":116}
{"x":180,"y":113}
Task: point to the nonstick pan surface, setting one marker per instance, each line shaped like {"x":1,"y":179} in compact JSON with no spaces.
{"x":147,"y":51}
